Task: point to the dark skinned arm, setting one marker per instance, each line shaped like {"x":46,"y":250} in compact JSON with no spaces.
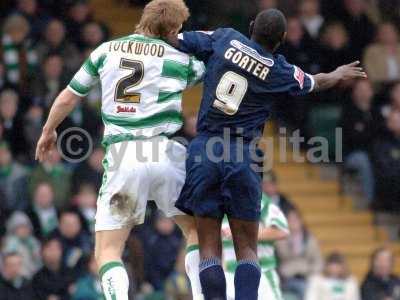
{"x":324,"y":81}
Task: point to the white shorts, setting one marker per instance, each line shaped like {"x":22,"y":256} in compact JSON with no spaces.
{"x":269,"y":288}
{"x":135,"y":172}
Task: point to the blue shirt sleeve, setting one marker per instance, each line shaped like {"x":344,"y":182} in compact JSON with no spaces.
{"x":197,"y":43}
{"x":296,"y":82}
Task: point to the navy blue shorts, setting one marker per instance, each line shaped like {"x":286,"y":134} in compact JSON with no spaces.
{"x":221,"y":178}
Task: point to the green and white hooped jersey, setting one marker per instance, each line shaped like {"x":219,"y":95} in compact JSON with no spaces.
{"x":271,"y":215}
{"x":142,"y":80}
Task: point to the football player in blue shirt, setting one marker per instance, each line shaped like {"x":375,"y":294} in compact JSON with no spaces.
{"x":243,"y":79}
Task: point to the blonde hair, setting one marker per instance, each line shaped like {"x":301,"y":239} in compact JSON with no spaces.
{"x":15,"y":23}
{"x":161,"y":17}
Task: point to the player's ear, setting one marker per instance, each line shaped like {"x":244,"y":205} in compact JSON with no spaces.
{"x":284,"y":37}
{"x":251,"y":28}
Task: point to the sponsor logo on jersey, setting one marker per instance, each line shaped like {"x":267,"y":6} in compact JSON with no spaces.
{"x":299,"y":76}
{"x":252,"y":52}
{"x":125,"y":109}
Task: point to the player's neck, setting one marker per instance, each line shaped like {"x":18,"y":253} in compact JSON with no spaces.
{"x":146,"y":34}
{"x":265,"y":46}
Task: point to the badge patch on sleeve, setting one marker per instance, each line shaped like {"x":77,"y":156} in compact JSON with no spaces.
{"x":299,"y":76}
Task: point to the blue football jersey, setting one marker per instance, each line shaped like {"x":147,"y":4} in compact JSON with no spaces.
{"x":241,"y":82}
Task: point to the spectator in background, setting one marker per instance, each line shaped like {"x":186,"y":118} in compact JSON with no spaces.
{"x":50,"y":82}
{"x":382,"y":59}
{"x":335,"y":46}
{"x":30,"y":10}
{"x":53,"y":280}
{"x":85,"y":117}
{"x":32,"y":128}
{"x":18,"y":55}
{"x":92,"y":35}
{"x":13,"y":181}
{"x":335,"y":282}
{"x":386,"y":159}
{"x":270,"y":187}
{"x":20,"y":239}
{"x":298,"y":48}
{"x":90,"y":172}
{"x":88,"y":286}
{"x":394,"y":103}
{"x":266,"y":4}
{"x":360,"y":28}
{"x":54,"y":41}
{"x":85,"y":202}
{"x":13,"y":284}
{"x":76,"y":243}
{"x":359,"y":129}
{"x":78,"y":16}
{"x":381,"y":283}
{"x":177,"y":285}
{"x":42,"y":212}
{"x":299,"y":256}
{"x":2,"y":76}
{"x":311,"y":17}
{"x":54,"y":172}
{"x":161,"y":248}
{"x":12,"y":124}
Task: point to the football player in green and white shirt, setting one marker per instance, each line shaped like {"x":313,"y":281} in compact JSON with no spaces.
{"x":142,"y":79}
{"x":273,"y":227}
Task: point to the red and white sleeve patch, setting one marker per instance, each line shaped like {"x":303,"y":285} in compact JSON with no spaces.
{"x":299,"y":76}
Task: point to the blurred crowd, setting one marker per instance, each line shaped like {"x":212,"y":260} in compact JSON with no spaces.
{"x":47,"y":211}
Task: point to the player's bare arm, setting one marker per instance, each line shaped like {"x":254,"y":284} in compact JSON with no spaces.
{"x":271,"y":234}
{"x":324,"y":81}
{"x":62,"y":107}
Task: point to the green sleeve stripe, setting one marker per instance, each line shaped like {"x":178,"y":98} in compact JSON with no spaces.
{"x":169,"y":96}
{"x":265,"y":200}
{"x":273,"y":284}
{"x":267,"y":262}
{"x":192,"y":73}
{"x":175,"y":70}
{"x":90,"y":68}
{"x":266,"y":243}
{"x":79,"y":88}
{"x":170,"y":116}
{"x":231,"y":266}
{"x":192,"y":248}
{"x":124,"y":137}
{"x":227,"y":243}
{"x":279,"y":223}
{"x":100,"y":62}
{"x":108,"y":266}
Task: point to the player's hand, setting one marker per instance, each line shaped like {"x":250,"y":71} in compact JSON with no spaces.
{"x":351,"y":71}
{"x":45,"y":145}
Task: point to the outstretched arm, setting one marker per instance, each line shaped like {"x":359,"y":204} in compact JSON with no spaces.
{"x":324,"y":81}
{"x":272,"y":234}
{"x":61,"y":108}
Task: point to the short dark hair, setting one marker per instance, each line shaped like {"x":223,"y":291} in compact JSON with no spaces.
{"x":269,"y":27}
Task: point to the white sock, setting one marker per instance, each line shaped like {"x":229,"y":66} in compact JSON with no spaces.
{"x":114,"y":280}
{"x":192,"y":261}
